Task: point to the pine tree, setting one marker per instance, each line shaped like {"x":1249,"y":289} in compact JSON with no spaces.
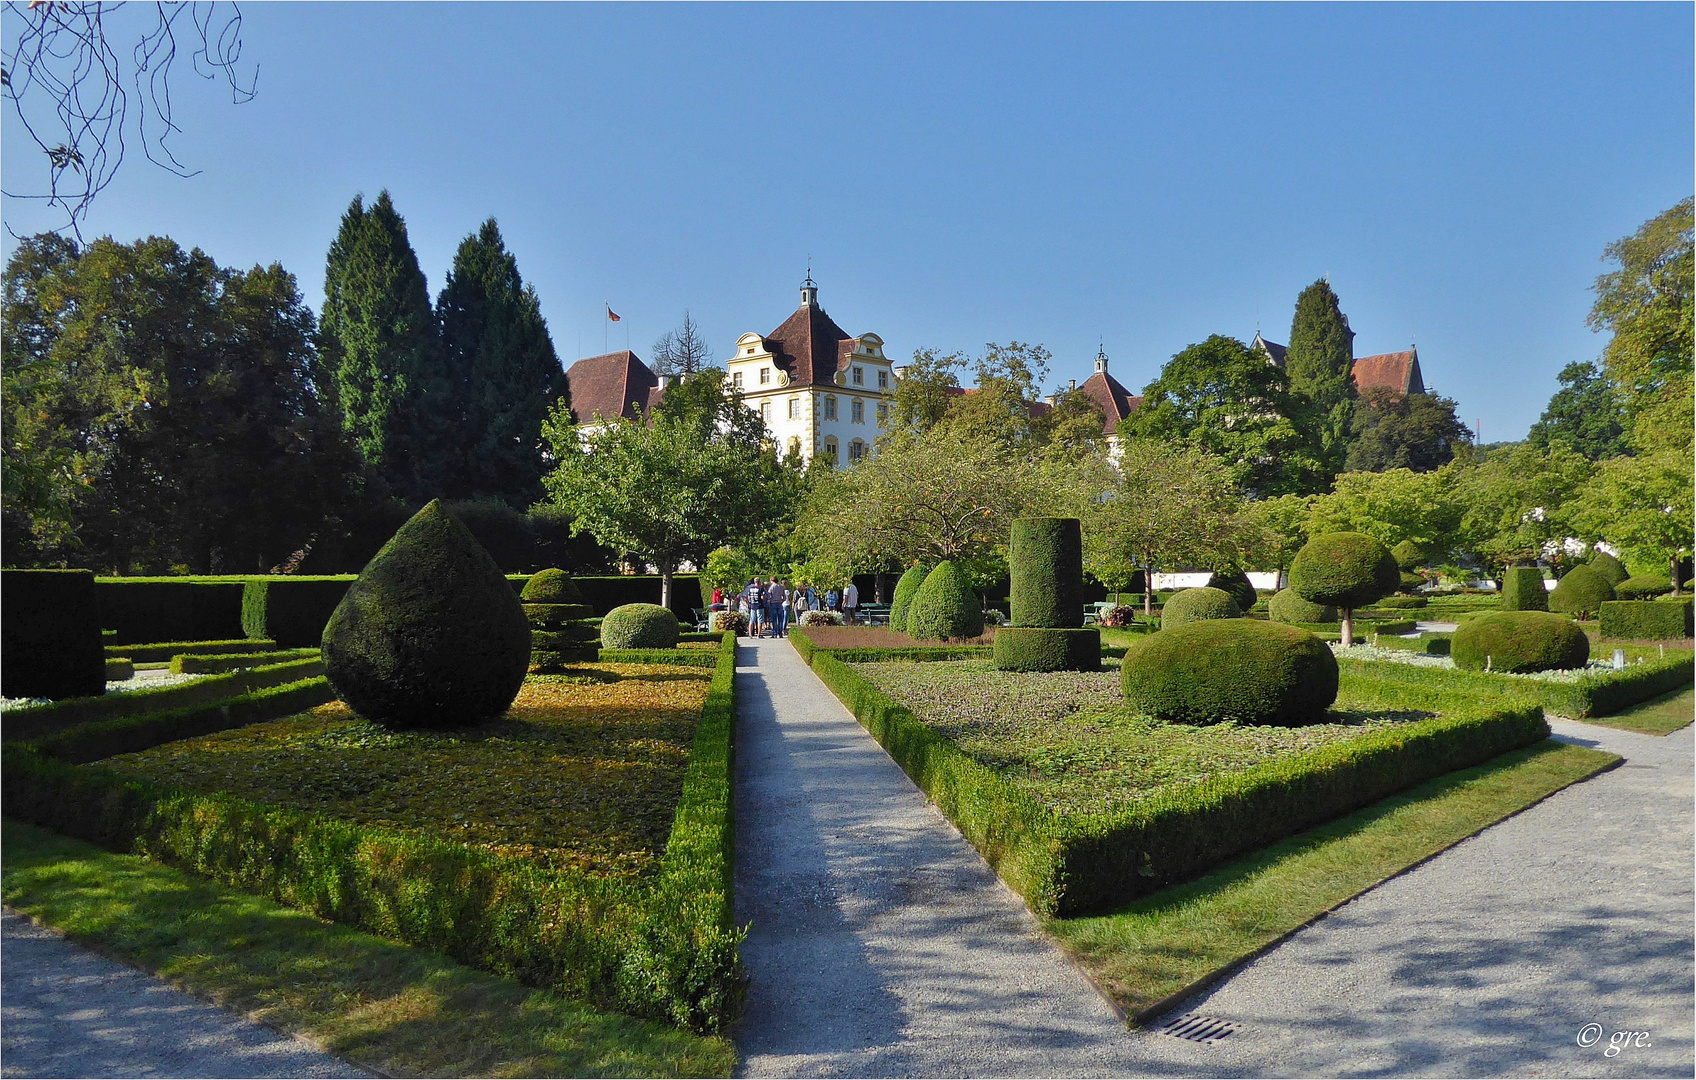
{"x":1319,"y":363}
{"x":382,"y":346}
{"x":501,"y":367}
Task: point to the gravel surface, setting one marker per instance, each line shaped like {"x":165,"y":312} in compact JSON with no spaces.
{"x":68,"y":1012}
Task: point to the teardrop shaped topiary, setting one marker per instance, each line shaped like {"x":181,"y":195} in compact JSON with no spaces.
{"x":1518,"y":642}
{"x":1240,"y":670}
{"x":1609,"y":567}
{"x":430,"y":635}
{"x":1194,"y":605}
{"x":551,"y":587}
{"x":946,"y":607}
{"x":1523,"y":589}
{"x":905,"y":589}
{"x":1235,"y":584}
{"x":1580,"y":593}
{"x":1287,"y":607}
{"x":639,"y":626}
{"x":1408,"y":555}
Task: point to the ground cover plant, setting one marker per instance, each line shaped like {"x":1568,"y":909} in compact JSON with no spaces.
{"x":1597,"y":690}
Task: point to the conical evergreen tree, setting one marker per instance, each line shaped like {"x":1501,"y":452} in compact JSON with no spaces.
{"x":501,"y":367}
{"x":381,"y":343}
{"x":1319,"y":363}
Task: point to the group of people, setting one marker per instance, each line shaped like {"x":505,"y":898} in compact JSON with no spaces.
{"x":771,"y":605}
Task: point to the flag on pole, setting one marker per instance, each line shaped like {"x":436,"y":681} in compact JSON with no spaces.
{"x":612,"y":316}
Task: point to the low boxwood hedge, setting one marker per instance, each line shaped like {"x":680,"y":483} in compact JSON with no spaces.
{"x":292,"y":611}
{"x":1596,"y":693}
{"x":1044,"y":648}
{"x":193,"y":664}
{"x":1646,"y":619}
{"x":1519,"y":642}
{"x":157,"y":651}
{"x":1231,"y":670}
{"x":1400,"y":603}
{"x":119,"y":669}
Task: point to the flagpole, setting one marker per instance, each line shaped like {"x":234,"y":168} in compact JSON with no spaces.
{"x":606,"y":328}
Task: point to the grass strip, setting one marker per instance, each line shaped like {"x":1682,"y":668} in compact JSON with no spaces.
{"x":1660,"y":716}
{"x":1155,"y":950}
{"x":397,"y":1010}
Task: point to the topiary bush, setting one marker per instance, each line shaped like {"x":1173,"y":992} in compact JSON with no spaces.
{"x":905,"y":589}
{"x":1344,"y":569}
{"x":430,"y":634}
{"x":1643,"y":587}
{"x":1235,"y":584}
{"x":1523,"y":589}
{"x":1045,"y":565}
{"x":1517,"y":642}
{"x":1408,"y":555}
{"x":1286,"y":607}
{"x":946,"y":607}
{"x":1240,"y":670}
{"x":1581,"y":593}
{"x":551,"y":587}
{"x":1047,"y":648}
{"x":1412,"y":583}
{"x":1646,"y":619}
{"x":639,"y":626}
{"x":1194,"y":605}
{"x":732,"y":621}
{"x":1609,"y":567}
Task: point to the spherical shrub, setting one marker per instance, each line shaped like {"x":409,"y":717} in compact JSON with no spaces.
{"x":1408,"y":555}
{"x":1519,"y":642}
{"x":1287,"y":607}
{"x":945,"y":607}
{"x":1523,"y":589}
{"x":1047,"y":648}
{"x":1193,"y":605}
{"x":1045,"y":566}
{"x":1609,"y":567}
{"x":905,"y":589}
{"x":639,"y":626}
{"x":1241,"y":670}
{"x":1643,"y":587}
{"x":430,"y":634}
{"x":1348,"y":570}
{"x":1580,"y":593}
{"x":551,"y":587}
{"x":1235,"y":583}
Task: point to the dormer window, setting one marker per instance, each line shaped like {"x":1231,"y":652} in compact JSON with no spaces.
{"x":859,"y":375}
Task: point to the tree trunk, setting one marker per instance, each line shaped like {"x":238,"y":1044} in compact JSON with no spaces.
{"x":1148,"y":588}
{"x":878,"y":588}
{"x":1675,"y":581}
{"x":1348,"y":627}
{"x":665,"y":583}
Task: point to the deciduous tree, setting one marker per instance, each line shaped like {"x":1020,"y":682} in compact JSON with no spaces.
{"x":1585,"y":413}
{"x":1642,"y":504}
{"x":1394,"y":431}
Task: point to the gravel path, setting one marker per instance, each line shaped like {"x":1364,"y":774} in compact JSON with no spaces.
{"x":69,"y":1012}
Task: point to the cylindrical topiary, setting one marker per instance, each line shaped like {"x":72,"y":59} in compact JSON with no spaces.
{"x":551,"y":587}
{"x":1286,"y":607}
{"x":1520,"y":641}
{"x":639,"y":626}
{"x":430,"y":634}
{"x":1345,"y":569}
{"x":1194,"y":605}
{"x":905,"y":589}
{"x":1580,"y":593}
{"x":1523,"y":589}
{"x":1241,"y":670}
{"x":1045,"y":565}
{"x":946,"y":607}
{"x":1235,"y":584}
{"x":1643,"y":587}
{"x":1047,"y":648}
{"x":1408,"y":555}
{"x":1609,"y":567}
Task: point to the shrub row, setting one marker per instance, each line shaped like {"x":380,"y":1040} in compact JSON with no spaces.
{"x":292,"y":611}
{"x":663,"y":948}
{"x":219,"y":663}
{"x":50,"y":640}
{"x":679,"y":657}
{"x":153,"y":652}
{"x":1601,"y":694}
{"x":169,"y":609}
{"x":119,"y":669}
{"x":1651,"y":619}
{"x":1071,"y":865}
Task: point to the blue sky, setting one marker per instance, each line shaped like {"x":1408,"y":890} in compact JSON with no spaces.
{"x":1141,"y":176}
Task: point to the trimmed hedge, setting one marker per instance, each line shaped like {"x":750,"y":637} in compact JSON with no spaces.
{"x":1609,"y":567}
{"x":1287,"y":607}
{"x":1236,"y":585}
{"x":553,"y":661}
{"x":1400,"y":603}
{"x":1580,"y":594}
{"x":1523,"y":589}
{"x":1519,"y":642}
{"x":50,"y":640}
{"x":155,"y":651}
{"x":551,"y":587}
{"x":1223,"y":670}
{"x":1196,"y":605}
{"x":1046,"y":648}
{"x":678,"y":657}
{"x":292,"y":611}
{"x":1431,"y":644}
{"x":568,"y":636}
{"x":912,"y":580}
{"x":217,"y":664}
{"x":1066,"y":865}
{"x":946,"y":607}
{"x":1346,"y":570}
{"x":1650,"y":619}
{"x":550,"y":615}
{"x":1643,"y":587}
{"x":170,"y":609}
{"x":662,"y":948}
{"x":1601,"y":693}
{"x":119,"y":669}
{"x":639,"y":626}
{"x":1045,"y":562}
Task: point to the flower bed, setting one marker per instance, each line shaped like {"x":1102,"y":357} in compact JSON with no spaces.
{"x":1596,"y":690}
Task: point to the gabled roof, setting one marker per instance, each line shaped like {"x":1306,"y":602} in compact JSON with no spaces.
{"x":1270,"y":348}
{"x":613,"y":385}
{"x":1396,"y":371}
{"x":1116,"y":402}
{"x":810,"y":347}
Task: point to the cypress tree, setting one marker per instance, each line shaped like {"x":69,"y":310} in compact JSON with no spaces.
{"x":381,"y":343}
{"x":1319,"y":364}
{"x":501,"y":367}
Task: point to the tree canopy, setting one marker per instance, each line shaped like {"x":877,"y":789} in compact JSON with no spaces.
{"x":1319,"y":361}
{"x":1413,"y":431}
{"x":1585,"y":413}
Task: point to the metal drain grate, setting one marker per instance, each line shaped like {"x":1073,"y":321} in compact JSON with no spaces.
{"x":1198,"y":1028}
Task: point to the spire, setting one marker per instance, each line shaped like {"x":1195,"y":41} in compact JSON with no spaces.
{"x":809,"y":291}
{"x":1101,"y":359}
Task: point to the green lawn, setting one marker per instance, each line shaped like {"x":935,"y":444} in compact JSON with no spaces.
{"x":397,"y":1010}
{"x":1165,"y":944}
{"x":1657,"y":716}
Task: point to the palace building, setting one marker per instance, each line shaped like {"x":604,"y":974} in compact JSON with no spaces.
{"x":1397,"y":372}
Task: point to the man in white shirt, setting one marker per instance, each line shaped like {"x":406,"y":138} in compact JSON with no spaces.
{"x":850,"y":600}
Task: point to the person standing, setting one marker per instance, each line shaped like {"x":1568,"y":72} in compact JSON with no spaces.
{"x":833,"y":600}
{"x":851,"y":600}
{"x":756,"y":597}
{"x":777,"y":608}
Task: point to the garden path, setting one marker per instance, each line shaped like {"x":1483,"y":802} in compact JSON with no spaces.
{"x":70,"y":1012}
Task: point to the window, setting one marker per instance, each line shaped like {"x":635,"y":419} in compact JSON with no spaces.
{"x":765,"y":412}
{"x":859,"y":375}
{"x":856,"y":450}
{"x":857,"y":411}
{"x":765,"y":376}
{"x":882,"y":414}
{"x":830,"y":447}
{"x":830,"y":407}
{"x":794,"y":408}
{"x":883,"y":380}
{"x":736,"y":380}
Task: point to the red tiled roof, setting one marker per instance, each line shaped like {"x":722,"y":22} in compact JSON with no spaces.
{"x":616,"y":384}
{"x":1116,"y":402}
{"x":1397,"y":372}
{"x":810,"y":347}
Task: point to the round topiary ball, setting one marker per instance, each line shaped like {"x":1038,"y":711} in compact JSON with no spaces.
{"x":551,"y":587}
{"x":430,"y":635}
{"x":946,"y":607}
{"x":1194,"y":605}
{"x":1241,"y":670}
{"x":1519,"y":641}
{"x":1236,"y":584}
{"x":1286,"y":607}
{"x":639,"y":626}
{"x":905,"y":589}
{"x":1580,"y":593}
{"x":1609,"y":567}
{"x":1643,"y":587}
{"x":1408,"y":555}
{"x":1346,"y":569}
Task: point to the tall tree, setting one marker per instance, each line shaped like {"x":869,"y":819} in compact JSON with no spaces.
{"x":1391,"y":506}
{"x":1641,"y":504}
{"x":1413,"y":431}
{"x":501,"y":371}
{"x":1319,"y":361}
{"x":380,"y":341}
{"x":926,"y":388}
{"x":1585,"y":413}
{"x":1648,"y":306}
{"x":682,"y":351}
{"x":1514,"y":502}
